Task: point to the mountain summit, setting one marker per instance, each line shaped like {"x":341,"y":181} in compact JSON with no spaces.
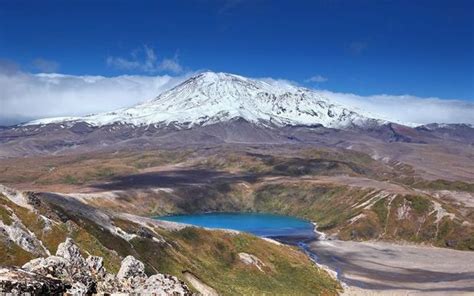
{"x":209,"y":98}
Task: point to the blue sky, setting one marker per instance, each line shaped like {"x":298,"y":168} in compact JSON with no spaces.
{"x":364,"y":47}
{"x":423,"y":48}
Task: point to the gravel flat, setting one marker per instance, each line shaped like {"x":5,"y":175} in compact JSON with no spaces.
{"x":377,"y":268}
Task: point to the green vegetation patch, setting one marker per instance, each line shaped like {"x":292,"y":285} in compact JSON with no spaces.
{"x":444,"y":185}
{"x":213,"y":257}
{"x":380,"y":208}
{"x":328,"y":205}
{"x":12,"y":254}
{"x":5,"y":216}
{"x":68,"y":179}
{"x":420,"y":204}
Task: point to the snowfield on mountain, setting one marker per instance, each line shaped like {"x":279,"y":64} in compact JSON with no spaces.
{"x":209,"y":98}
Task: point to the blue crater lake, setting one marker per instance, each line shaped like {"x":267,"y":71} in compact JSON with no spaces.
{"x":280,"y":227}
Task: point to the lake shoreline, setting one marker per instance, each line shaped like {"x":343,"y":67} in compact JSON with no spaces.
{"x":383,"y":268}
{"x":363,"y":268}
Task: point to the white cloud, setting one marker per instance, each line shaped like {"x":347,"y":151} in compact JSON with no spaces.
{"x":25,"y":96}
{"x":317,"y":78}
{"x":281,"y":83}
{"x":145,"y":60}
{"x":171,"y":65}
{"x":407,"y":109}
{"x":404,"y":109}
{"x":46,"y":66}
{"x":121,"y":63}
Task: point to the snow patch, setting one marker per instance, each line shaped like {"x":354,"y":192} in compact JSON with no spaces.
{"x":216,"y":97}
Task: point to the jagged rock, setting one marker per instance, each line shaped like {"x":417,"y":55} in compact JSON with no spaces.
{"x":69,"y":271}
{"x":32,"y":199}
{"x":68,"y":265}
{"x":131,"y":268}
{"x":16,"y":281}
{"x":86,"y":284}
{"x":96,"y":266}
{"x":78,"y":269}
{"x":19,"y":234}
{"x":69,"y":251}
{"x":109,"y":284}
{"x":131,"y":274}
{"x":78,"y":288}
{"x":52,"y":266}
{"x":144,"y":232}
{"x":48,"y":224}
{"x":160,"y":284}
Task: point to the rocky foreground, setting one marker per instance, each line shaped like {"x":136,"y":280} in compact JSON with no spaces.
{"x":69,"y":272}
{"x":34,"y":226}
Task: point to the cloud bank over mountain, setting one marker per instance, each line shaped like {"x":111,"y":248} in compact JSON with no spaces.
{"x":408,"y":109}
{"x":25,"y":96}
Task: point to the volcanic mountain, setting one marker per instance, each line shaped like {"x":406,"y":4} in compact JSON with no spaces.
{"x":224,"y":143}
{"x":210,"y":98}
{"x":212,"y":109}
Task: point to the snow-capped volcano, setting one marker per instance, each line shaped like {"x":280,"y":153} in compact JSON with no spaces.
{"x":211,"y":97}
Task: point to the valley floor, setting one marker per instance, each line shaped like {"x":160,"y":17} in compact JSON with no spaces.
{"x":349,"y":194}
{"x":379,"y":268}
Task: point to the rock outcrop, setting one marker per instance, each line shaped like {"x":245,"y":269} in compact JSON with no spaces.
{"x":96,"y":266}
{"x":17,"y":281}
{"x":162,"y":284}
{"x":68,"y":272}
{"x":131,"y":268}
{"x":249,"y":259}
{"x":71,"y":252}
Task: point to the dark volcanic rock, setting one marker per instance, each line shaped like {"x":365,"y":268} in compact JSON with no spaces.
{"x":463,"y":133}
{"x":18,"y":281}
{"x":82,"y":128}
